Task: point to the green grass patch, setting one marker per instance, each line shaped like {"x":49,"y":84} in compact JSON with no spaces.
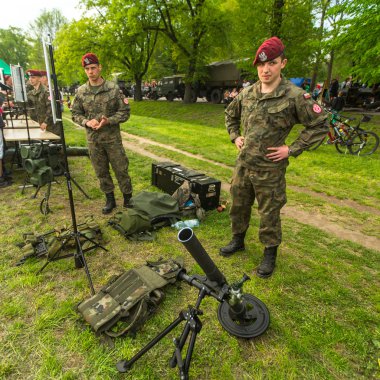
{"x":323,"y":298}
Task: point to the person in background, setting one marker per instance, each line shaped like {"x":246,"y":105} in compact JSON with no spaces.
{"x":5,"y":180}
{"x":39,"y":103}
{"x":44,"y":79}
{"x":338,"y":103}
{"x":334,"y":89}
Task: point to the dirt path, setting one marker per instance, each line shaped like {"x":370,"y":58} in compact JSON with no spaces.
{"x":314,"y":219}
{"x":339,"y":202}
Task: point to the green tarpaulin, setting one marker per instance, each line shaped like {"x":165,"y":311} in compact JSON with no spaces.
{"x":6,"y":68}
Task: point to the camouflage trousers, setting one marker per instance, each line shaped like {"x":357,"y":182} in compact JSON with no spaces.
{"x":102,"y":154}
{"x":269,"y":189}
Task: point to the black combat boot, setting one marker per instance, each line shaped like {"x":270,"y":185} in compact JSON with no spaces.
{"x":236,"y":244}
{"x":127,"y":198}
{"x":268,"y":262}
{"x":110,"y":203}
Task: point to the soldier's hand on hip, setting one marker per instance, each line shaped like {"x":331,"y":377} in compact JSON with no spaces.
{"x":239,"y":142}
{"x":278,"y":153}
{"x":43,"y":126}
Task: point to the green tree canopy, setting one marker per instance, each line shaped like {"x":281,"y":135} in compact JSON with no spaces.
{"x":361,"y":35}
{"x":47,"y":24}
{"x":13,"y":46}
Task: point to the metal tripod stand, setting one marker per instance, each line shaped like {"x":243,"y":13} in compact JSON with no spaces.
{"x":79,"y":258}
{"x":192,"y":327}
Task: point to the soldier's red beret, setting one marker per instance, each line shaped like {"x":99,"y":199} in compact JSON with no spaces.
{"x":269,"y":49}
{"x":33,"y":73}
{"x":89,"y":59}
{"x":43,"y":73}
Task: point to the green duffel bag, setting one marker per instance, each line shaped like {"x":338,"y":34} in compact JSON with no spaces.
{"x":149,"y":211}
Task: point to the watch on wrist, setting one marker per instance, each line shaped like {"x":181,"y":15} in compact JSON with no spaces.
{"x":290,"y":152}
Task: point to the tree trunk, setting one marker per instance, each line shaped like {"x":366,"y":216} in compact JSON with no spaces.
{"x":324,"y":5}
{"x":137,"y":95}
{"x":330,"y":66}
{"x":188,"y":97}
{"x":277,"y":17}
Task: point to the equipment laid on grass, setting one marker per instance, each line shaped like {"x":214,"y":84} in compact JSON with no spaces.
{"x":43,"y":161}
{"x":57,"y":244}
{"x":168,"y":177}
{"x":148,"y":211}
{"x":128,"y":300}
{"x":242,"y":315}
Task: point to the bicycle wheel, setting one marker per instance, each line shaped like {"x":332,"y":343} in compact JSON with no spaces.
{"x":342,"y":144}
{"x":364,"y":143}
{"x":317,"y":145}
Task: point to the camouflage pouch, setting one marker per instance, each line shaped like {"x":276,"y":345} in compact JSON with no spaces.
{"x":189,"y":202}
{"x":128,"y":300}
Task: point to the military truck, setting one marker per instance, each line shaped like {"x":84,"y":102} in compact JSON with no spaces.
{"x":220,"y":76}
{"x":169,"y":87}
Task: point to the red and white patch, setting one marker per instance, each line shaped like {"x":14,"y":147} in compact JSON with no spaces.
{"x":317,"y":108}
{"x":307,"y":96}
{"x":125,"y":101}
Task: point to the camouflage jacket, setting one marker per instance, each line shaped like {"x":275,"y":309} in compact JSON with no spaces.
{"x":107,"y":101}
{"x":267,"y":119}
{"x":38,"y":100}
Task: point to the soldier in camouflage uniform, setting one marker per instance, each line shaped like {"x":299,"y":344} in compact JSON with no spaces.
{"x":265,"y":113}
{"x":100,"y":107}
{"x":38,"y":100}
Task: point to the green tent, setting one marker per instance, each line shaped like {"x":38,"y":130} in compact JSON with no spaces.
{"x":6,"y":68}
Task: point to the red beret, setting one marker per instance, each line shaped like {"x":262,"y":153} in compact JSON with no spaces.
{"x":43,"y":73}
{"x":269,"y":49}
{"x":33,"y":73}
{"x":89,"y":59}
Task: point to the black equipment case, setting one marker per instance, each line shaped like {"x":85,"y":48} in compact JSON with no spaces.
{"x":168,"y":177}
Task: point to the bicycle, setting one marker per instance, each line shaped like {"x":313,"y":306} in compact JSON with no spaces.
{"x":348,"y":138}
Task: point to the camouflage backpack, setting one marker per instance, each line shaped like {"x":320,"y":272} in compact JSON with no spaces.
{"x":189,"y":202}
{"x":128,"y":300}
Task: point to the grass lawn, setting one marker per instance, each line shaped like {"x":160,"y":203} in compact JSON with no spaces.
{"x":323,"y":297}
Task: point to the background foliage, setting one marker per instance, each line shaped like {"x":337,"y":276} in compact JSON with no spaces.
{"x":148,"y":39}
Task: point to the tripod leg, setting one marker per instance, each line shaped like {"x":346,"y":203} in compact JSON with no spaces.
{"x":179,"y":343}
{"x":193,"y":323}
{"x":125,"y":365}
{"x":44,"y":205}
{"x":190,"y":348}
{"x":80,"y":262}
{"x":96,"y":245}
{"x":26,"y":180}
{"x":79,"y":188}
{"x":35,"y":194}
